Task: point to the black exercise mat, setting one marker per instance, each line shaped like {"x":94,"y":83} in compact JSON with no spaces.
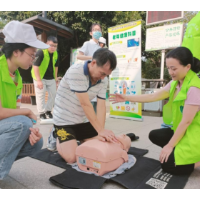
{"x":52,"y":158}
{"x":134,"y":176}
{"x":55,"y":159}
{"x":159,"y":179}
{"x":72,"y":179}
{"x":145,"y":174}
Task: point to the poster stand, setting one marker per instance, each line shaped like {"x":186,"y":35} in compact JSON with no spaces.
{"x":125,"y":41}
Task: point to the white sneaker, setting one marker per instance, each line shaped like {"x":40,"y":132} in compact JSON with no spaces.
{"x":51,"y":141}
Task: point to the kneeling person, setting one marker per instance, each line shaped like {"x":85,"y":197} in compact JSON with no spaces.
{"x":74,"y":116}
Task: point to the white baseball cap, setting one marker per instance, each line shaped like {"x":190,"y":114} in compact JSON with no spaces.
{"x":18,"y":32}
{"x":102,"y":40}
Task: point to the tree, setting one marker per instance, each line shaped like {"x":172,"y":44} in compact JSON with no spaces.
{"x":2,"y":23}
{"x":80,"y":22}
{"x":17,"y":15}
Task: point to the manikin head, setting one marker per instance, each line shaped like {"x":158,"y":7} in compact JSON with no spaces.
{"x":124,"y":141}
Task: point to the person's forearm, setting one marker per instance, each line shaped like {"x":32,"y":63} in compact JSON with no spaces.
{"x":7,"y":112}
{"x":56,"y":74}
{"x":144,"y":98}
{"x":101,"y":115}
{"x":83,"y":57}
{"x":180,"y":131}
{"x":37,"y":73}
{"x":90,"y":114}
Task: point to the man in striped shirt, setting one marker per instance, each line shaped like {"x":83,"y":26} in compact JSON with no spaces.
{"x":73,"y":114}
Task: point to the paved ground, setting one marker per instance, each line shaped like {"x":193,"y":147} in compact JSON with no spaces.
{"x":31,"y":173}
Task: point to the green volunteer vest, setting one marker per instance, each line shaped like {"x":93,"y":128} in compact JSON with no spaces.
{"x":187,"y":151}
{"x":9,"y":92}
{"x":45,"y":63}
{"x":191,"y":38}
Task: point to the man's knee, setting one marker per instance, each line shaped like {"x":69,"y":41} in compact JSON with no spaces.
{"x":70,"y":158}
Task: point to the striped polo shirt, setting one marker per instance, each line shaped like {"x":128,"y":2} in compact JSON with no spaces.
{"x":67,"y":109}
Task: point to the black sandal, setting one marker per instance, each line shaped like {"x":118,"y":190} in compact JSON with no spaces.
{"x":132,"y":136}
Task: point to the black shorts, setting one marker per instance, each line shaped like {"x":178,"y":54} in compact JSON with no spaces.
{"x":77,"y":131}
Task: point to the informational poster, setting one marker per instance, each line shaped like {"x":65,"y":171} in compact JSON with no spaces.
{"x":73,"y":58}
{"x":125,"y":41}
{"x":164,"y":37}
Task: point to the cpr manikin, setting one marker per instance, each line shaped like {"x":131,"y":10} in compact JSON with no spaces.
{"x":102,"y":157}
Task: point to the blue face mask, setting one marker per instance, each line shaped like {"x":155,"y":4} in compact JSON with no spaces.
{"x":96,"y":35}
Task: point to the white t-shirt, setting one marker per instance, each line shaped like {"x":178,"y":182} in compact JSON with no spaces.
{"x":88,"y":49}
{"x":67,"y":109}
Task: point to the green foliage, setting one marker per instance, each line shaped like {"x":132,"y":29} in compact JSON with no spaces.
{"x":80,"y":22}
{"x":2,"y":23}
{"x":17,"y":15}
{"x":154,"y":73}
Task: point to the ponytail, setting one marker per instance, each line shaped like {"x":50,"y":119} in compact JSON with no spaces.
{"x":196,"y":65}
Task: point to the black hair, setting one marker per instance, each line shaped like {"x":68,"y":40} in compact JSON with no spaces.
{"x":94,"y":24}
{"x":53,"y":39}
{"x":185,"y":57}
{"x":102,"y":56}
{"x":8,"y":48}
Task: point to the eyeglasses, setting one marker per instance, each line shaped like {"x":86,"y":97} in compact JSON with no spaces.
{"x":53,"y":46}
{"x":33,"y":57}
{"x":96,"y":29}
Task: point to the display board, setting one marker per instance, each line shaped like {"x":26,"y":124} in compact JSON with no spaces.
{"x":164,"y":37}
{"x":125,"y":41}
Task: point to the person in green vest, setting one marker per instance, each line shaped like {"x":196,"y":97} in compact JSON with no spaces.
{"x":191,"y":38}
{"x":44,"y":73}
{"x":181,"y":143}
{"x":18,"y":138}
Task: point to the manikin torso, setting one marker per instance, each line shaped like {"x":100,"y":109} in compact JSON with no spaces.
{"x":102,"y":157}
